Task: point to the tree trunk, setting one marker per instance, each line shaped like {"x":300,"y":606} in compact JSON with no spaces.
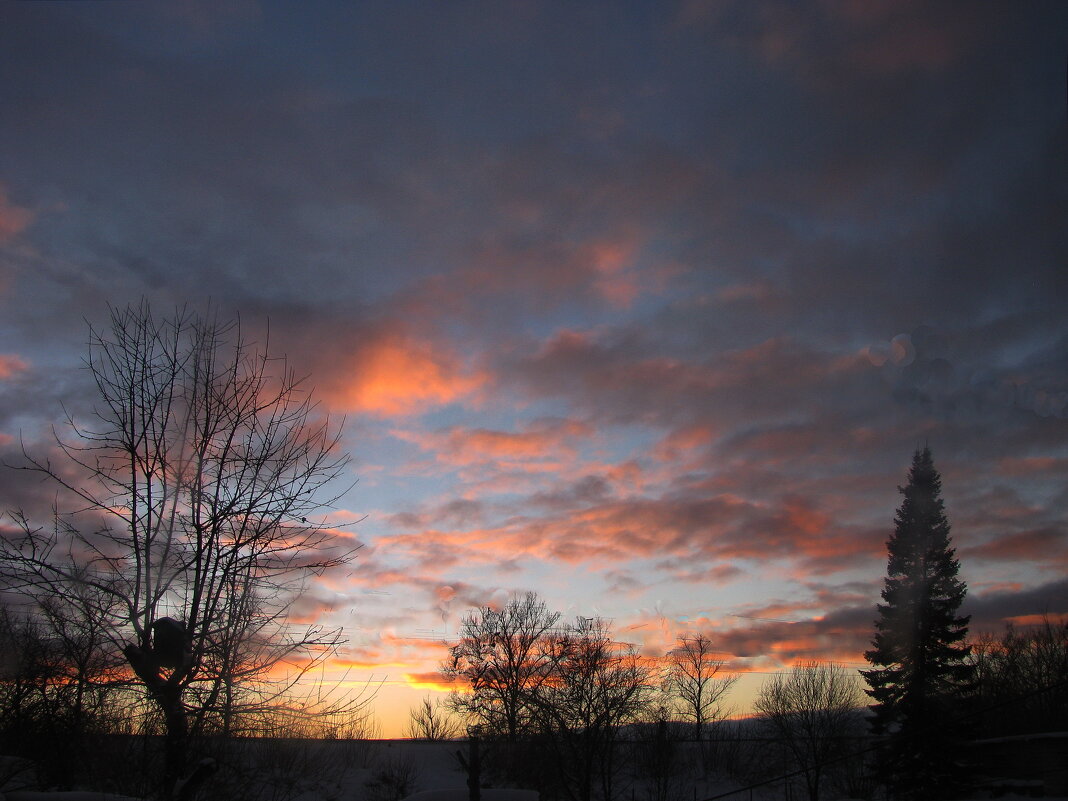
{"x":169,"y":698}
{"x":167,"y":693}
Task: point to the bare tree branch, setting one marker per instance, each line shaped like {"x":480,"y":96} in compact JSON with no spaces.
{"x":191,"y":505}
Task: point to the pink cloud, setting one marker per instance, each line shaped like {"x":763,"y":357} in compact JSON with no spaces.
{"x":537,"y":440}
{"x":617,"y":378}
{"x":615,"y":279}
{"x":309,"y":608}
{"x":395,"y":375}
{"x":842,"y":636}
{"x":682,"y":442}
{"x":11,"y":365}
{"x":13,"y":219}
{"x":688,"y":571}
{"x":388,"y":650}
{"x":688,"y":536}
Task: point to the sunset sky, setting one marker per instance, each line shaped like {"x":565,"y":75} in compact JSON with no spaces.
{"x":641,"y":306}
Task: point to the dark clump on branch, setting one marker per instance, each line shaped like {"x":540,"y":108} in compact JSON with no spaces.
{"x":170,"y":646}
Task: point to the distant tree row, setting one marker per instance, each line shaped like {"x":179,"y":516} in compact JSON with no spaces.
{"x":519,"y":664}
{"x":571,"y":688}
{"x":1021,"y":680}
{"x":577,"y":702}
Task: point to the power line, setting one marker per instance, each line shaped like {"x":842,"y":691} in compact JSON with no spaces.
{"x":772,"y":619}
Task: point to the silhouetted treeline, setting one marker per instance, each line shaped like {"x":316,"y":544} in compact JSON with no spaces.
{"x":559,"y":702}
{"x":1021,"y":680}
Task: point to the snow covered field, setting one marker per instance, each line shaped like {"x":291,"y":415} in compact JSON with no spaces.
{"x":399,"y":770}
{"x":384,"y":770}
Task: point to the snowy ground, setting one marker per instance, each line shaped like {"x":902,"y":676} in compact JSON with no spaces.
{"x":416,"y":771}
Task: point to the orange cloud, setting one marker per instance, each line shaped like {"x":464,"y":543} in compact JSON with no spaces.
{"x":615,"y":280}
{"x":801,"y":517}
{"x":796,"y":645}
{"x":466,"y":446}
{"x":371,"y":665}
{"x":683,"y":441}
{"x":13,"y":219}
{"x":430,"y":681}
{"x":840,"y":640}
{"x":1026,"y":621}
{"x":596,"y":527}
{"x":397,"y":375}
{"x":11,"y":364}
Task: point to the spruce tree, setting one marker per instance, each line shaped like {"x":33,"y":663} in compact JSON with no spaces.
{"x":918,"y":657}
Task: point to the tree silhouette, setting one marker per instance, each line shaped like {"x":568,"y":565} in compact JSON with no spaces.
{"x":432,"y":721}
{"x":1021,"y":678}
{"x":596,"y":687}
{"x":693,"y":677}
{"x":919,"y":652}
{"x":504,"y":657}
{"x":811,"y":709}
{"x":192,"y":491}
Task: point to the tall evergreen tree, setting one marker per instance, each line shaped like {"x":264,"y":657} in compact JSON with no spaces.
{"x":918,"y":670}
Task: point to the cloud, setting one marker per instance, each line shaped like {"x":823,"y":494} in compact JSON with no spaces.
{"x":840,"y":636}
{"x":990,"y":610}
{"x":537,"y":440}
{"x":11,"y":365}
{"x":395,"y":376}
{"x":624,"y":583}
{"x":625,"y":376}
{"x":310,"y":607}
{"x":691,"y":572}
{"x":13,"y":219}
{"x":690,"y":537}
{"x":1047,"y":545}
{"x":430,"y":681}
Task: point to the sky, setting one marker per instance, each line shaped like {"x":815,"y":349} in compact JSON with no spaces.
{"x":643,"y":307}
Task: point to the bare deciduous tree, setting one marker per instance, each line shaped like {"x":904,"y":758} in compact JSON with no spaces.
{"x":811,"y":709}
{"x":1022,"y":677}
{"x":693,"y":677}
{"x":596,"y":687}
{"x":59,"y":684}
{"x":431,"y":721}
{"x":191,"y":498}
{"x":503,"y":658}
